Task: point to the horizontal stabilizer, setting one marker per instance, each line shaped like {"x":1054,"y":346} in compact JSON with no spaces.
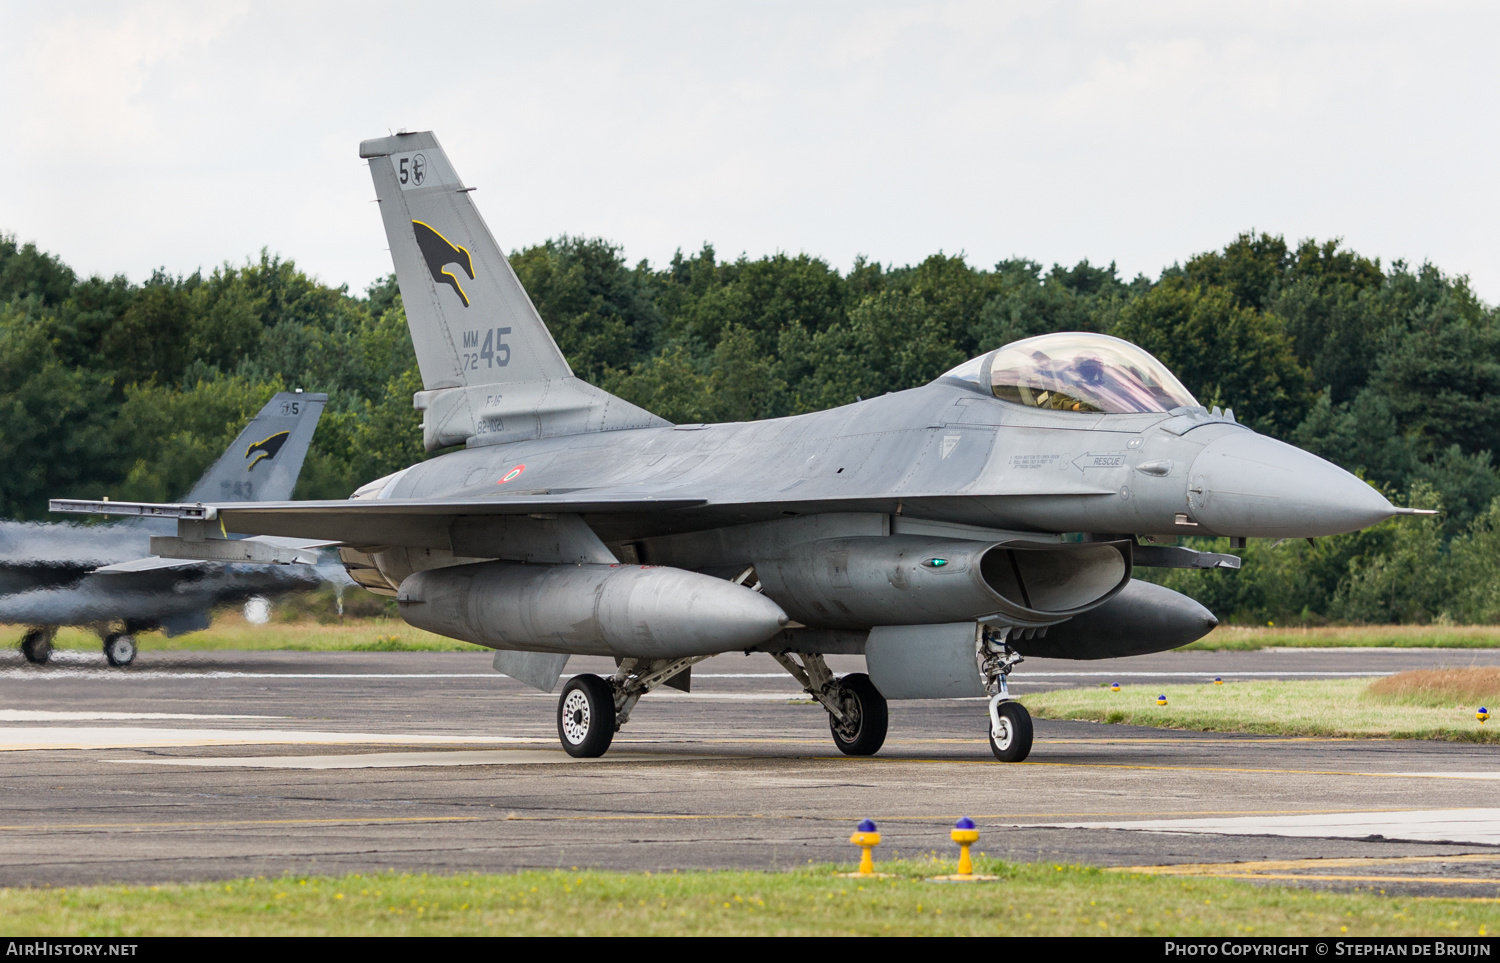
{"x":150,"y":563}
{"x":259,"y":550}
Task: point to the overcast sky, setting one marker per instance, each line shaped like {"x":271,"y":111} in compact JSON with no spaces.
{"x":183,"y":135}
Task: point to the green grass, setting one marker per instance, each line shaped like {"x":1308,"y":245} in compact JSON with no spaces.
{"x":230,"y":631}
{"x":1031,"y":899}
{"x":1333,"y":707}
{"x":1249,"y":637}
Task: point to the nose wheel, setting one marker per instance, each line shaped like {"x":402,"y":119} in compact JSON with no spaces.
{"x":1010,"y":731}
{"x":586,"y":716}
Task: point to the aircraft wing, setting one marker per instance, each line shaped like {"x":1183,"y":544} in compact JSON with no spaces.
{"x":426,"y":522}
{"x":399,"y":521}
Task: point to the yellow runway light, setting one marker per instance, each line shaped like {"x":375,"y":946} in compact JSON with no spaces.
{"x":965,"y":834}
{"x":867,"y":837}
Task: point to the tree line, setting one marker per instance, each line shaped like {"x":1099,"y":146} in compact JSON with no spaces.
{"x":1392,"y":371}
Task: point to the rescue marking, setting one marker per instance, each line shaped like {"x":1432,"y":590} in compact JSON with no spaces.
{"x":1100,"y":459}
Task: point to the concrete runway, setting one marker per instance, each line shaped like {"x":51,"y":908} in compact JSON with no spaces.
{"x":212,"y":765}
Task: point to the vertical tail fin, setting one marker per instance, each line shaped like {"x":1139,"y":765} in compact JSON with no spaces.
{"x":263,"y":463}
{"x":471,"y":321}
{"x":491,"y":370}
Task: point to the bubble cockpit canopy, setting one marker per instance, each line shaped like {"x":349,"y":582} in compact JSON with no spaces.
{"x":1077,"y":371}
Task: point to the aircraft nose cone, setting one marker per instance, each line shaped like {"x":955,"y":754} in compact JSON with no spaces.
{"x":1245,"y":484}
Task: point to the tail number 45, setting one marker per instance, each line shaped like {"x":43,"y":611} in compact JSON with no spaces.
{"x":486,"y":348}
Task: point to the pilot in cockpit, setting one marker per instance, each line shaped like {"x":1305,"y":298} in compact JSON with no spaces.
{"x":1077,"y":371}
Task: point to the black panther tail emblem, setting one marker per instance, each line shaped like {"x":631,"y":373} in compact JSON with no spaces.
{"x":266,"y":449}
{"x":439,"y":252}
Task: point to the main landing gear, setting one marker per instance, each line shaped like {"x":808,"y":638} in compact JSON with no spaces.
{"x":857,"y":713}
{"x":36,"y":644}
{"x":119,"y":648}
{"x":586,"y":716}
{"x":1010,"y":723}
{"x":591,"y":710}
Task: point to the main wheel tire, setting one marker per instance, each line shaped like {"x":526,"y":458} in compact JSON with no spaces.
{"x":871,"y":717}
{"x":586,"y":716}
{"x":36,"y":646}
{"x":1014,"y":742}
{"x":119,"y":649}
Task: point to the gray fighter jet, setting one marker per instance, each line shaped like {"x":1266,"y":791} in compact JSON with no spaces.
{"x":942,"y":532}
{"x":106,"y":577}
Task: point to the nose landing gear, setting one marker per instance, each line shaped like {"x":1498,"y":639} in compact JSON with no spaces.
{"x":1010,"y":723}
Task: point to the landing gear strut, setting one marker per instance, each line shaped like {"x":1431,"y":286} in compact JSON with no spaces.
{"x":591,"y":710}
{"x":119,"y":648}
{"x":36,"y":645}
{"x":857,"y":713}
{"x":1010,"y":723}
